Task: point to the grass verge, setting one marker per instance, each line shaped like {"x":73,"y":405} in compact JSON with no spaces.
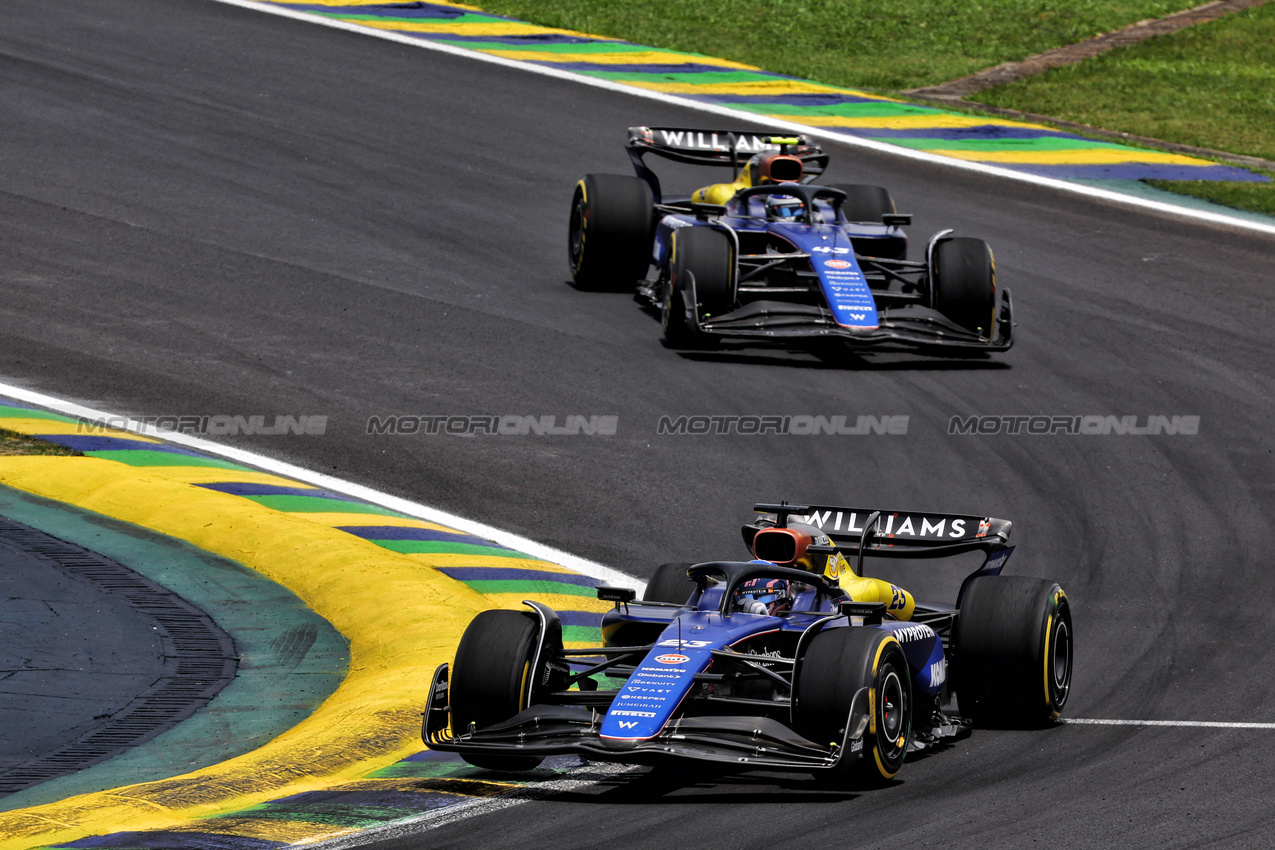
{"x":13,"y":443}
{"x":1254,"y":197}
{"x":1212,"y":86}
{"x":859,"y":43}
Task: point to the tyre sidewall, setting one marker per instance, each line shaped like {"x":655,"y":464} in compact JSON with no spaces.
{"x":1006,"y":645}
{"x":963,"y":279}
{"x":838,"y":663}
{"x":491,"y":677}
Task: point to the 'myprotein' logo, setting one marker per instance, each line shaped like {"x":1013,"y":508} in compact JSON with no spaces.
{"x":1187,"y":426}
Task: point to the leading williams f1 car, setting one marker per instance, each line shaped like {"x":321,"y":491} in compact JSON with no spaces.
{"x":772,"y":257}
{"x":792,"y":661}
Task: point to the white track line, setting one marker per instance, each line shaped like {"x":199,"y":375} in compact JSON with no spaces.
{"x":581,"y":778}
{"x":1205,"y":724}
{"x":821,"y":132}
{"x":328,"y":482}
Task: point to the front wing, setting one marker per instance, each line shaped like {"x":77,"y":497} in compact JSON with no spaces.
{"x":545,"y":730}
{"x":776,"y":320}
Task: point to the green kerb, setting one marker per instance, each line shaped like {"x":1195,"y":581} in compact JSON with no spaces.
{"x":601,"y":48}
{"x":10,"y":412}
{"x":531,"y":587}
{"x":705,"y":78}
{"x":318,"y":505}
{"x":146,"y":457}
{"x":416,"y":547}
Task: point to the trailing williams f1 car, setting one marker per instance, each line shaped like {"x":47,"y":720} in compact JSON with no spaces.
{"x":770,"y":256}
{"x":793,"y":661}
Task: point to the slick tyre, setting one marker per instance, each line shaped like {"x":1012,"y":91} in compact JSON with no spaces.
{"x":610,"y":233}
{"x":963,"y":279}
{"x":1013,"y":650}
{"x":838,"y":664}
{"x":491,"y":679}
{"x":701,"y":284}
{"x":669,"y":583}
{"x":865,"y":203}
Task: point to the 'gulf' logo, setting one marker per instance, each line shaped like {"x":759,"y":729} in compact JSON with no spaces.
{"x":672,"y":659}
{"x":837,"y":264}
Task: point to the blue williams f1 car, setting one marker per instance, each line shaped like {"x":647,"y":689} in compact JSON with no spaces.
{"x":771,"y":256}
{"x":795,"y":660}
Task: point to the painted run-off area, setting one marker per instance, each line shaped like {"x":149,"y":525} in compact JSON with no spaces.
{"x":357,"y":760}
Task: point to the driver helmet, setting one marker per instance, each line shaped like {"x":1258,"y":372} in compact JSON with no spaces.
{"x":784,"y":207}
{"x":765,"y":596}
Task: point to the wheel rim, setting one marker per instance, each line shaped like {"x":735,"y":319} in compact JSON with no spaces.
{"x":576,"y":239}
{"x":1060,"y":661}
{"x":893,"y":709}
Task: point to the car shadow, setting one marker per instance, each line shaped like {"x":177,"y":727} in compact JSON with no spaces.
{"x":842,"y":361}
{"x":687,"y":784}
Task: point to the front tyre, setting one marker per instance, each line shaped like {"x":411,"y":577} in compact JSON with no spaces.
{"x":701,"y":284}
{"x":610,"y":233}
{"x":839,"y":663}
{"x":1013,"y":648}
{"x":491,"y":679}
{"x":963,"y":281}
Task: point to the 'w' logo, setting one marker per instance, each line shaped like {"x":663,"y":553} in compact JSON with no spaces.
{"x":858,"y":317}
{"x":627,"y":724}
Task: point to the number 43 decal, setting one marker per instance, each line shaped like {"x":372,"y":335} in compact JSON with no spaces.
{"x":689,"y":644}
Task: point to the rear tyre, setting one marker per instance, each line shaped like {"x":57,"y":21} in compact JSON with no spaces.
{"x":491,"y":679}
{"x":701,"y":283}
{"x":610,"y":233}
{"x":837,"y":665}
{"x":963,"y":279}
{"x":1013,"y":650}
{"x":669,"y":583}
{"x":865,"y":203}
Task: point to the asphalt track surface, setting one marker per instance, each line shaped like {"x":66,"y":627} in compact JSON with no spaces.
{"x":204,"y":210}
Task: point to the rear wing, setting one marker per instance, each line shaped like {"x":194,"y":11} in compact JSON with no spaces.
{"x":724,"y":148}
{"x":884,"y":533}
